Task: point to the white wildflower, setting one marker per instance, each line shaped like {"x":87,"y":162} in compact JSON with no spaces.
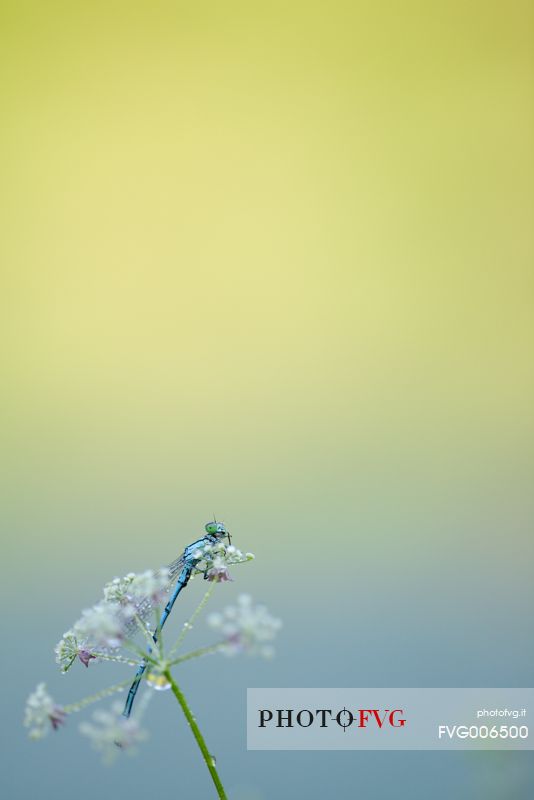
{"x":138,"y":595}
{"x":42,"y":713}
{"x":71,"y":647}
{"x":216,"y":559}
{"x":128,"y":603}
{"x":116,"y":591}
{"x":150,"y":584}
{"x":218,"y":571}
{"x":110,"y":732}
{"x":103,"y":625}
{"x":246,"y":627}
{"x":66,"y":650}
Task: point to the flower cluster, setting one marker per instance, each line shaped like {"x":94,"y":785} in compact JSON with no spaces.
{"x":42,"y":713}
{"x":135,"y":591}
{"x":127,"y":605}
{"x":246,"y":628}
{"x":131,"y":606}
{"x":214,"y":560}
{"x":110,"y":733}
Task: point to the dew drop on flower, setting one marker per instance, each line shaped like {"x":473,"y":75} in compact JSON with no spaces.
{"x":157,"y":681}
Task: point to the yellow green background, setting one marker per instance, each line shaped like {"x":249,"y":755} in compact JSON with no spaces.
{"x":272,"y":261}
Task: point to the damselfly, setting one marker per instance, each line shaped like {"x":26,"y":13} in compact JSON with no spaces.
{"x":180,"y":572}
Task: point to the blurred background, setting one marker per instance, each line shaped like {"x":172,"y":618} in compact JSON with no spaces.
{"x":272,"y":261}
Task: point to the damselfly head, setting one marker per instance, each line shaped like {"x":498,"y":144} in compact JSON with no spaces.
{"x":216,"y":528}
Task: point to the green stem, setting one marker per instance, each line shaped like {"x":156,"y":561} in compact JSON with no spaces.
{"x":202,"y":651}
{"x":119,"y":659}
{"x":188,"y":625}
{"x":146,"y":633}
{"x":94,"y":698}
{"x":208,"y":758}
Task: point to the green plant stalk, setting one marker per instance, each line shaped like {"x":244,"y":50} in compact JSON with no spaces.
{"x":208,"y":758}
{"x":202,"y":651}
